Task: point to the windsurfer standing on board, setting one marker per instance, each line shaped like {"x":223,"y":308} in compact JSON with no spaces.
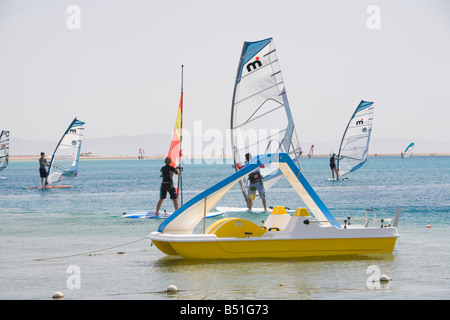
{"x":333,"y":166}
{"x":42,"y":170}
{"x":167,"y":185}
{"x":255,"y":184}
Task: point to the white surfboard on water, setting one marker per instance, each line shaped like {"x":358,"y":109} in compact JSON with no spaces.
{"x":162,"y":215}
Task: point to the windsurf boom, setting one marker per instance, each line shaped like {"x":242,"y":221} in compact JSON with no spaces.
{"x":65,"y":158}
{"x":354,"y":146}
{"x":261,"y":119}
{"x":4,"y":149}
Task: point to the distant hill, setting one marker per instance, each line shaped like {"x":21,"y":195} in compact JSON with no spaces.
{"x":156,"y":144}
{"x":153,"y":144}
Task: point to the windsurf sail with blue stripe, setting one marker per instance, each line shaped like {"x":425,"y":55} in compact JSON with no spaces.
{"x":65,"y":158}
{"x":408,"y":151}
{"x":261,"y":119}
{"x":354,"y":146}
{"x":175,"y":151}
{"x":4,"y":149}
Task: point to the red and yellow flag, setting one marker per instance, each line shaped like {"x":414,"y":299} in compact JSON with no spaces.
{"x":175,"y":152}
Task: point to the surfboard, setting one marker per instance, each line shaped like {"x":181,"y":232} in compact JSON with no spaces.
{"x":162,"y":215}
{"x":48,"y":187}
{"x":147,"y":215}
{"x":245,"y":209}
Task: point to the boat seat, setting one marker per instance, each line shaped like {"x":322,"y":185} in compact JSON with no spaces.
{"x":236,"y":228}
{"x":278,"y":219}
{"x":301,"y":212}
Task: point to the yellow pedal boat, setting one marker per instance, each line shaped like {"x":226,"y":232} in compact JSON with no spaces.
{"x":307,"y":233}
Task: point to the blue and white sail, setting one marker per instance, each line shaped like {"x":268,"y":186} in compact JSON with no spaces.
{"x":65,"y":158}
{"x":354,"y":146}
{"x":261,"y":119}
{"x":4,"y":149}
{"x":408,"y":151}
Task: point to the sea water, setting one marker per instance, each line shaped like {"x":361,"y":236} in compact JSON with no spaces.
{"x":76,"y":241}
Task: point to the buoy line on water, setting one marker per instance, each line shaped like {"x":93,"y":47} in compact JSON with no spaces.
{"x":90,"y":252}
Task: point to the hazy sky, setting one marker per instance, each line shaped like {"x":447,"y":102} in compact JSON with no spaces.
{"x":120,"y":72}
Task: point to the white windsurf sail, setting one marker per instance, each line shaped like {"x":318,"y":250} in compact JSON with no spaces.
{"x":4,"y":149}
{"x":65,"y":158}
{"x":261,"y":119}
{"x":408,"y":151}
{"x":354,"y":146}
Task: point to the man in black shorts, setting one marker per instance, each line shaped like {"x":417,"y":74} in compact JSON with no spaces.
{"x":333,"y":166}
{"x":42,"y":169}
{"x":167,"y":185}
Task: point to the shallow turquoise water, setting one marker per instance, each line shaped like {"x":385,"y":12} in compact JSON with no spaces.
{"x":67,"y":224}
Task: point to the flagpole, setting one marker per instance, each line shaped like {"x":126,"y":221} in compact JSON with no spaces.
{"x":180,"y":180}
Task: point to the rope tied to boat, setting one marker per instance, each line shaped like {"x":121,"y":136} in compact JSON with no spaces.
{"x":91,"y":252}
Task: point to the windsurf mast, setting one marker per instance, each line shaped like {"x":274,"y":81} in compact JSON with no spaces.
{"x":175,"y":151}
{"x":354,"y":146}
{"x":261,"y":119}
{"x":4,"y":149}
{"x":65,"y":158}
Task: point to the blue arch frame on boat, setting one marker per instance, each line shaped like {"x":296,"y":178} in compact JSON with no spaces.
{"x":192,"y":212}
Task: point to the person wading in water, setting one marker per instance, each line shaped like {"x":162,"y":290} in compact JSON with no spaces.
{"x":167,"y":185}
{"x":333,"y":166}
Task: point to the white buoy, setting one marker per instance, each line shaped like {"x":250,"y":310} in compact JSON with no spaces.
{"x":384,"y":278}
{"x":58,"y":295}
{"x":172,"y":288}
